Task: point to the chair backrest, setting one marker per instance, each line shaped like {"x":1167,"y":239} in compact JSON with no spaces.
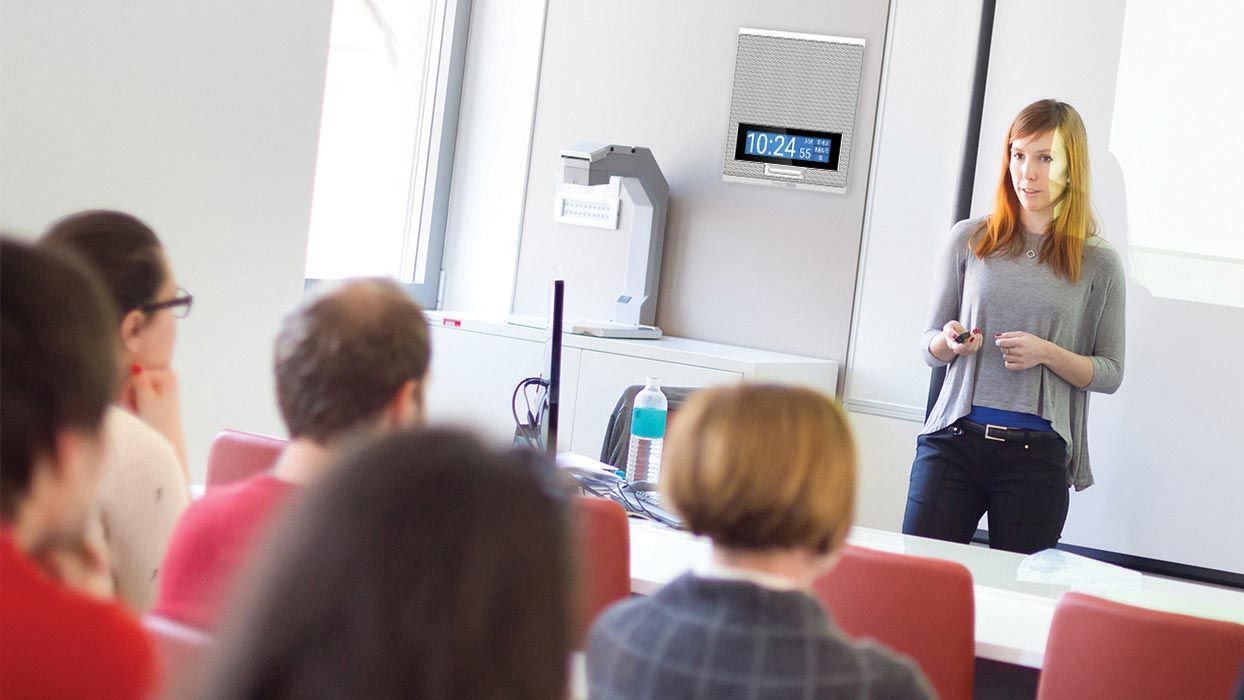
{"x":603,"y":555}
{"x":182,"y":653}
{"x":238,"y":455}
{"x":617,"y":442}
{"x":1102,"y":649}
{"x":923,"y":608}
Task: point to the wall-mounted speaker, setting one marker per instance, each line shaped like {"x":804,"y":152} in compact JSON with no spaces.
{"x":792,"y":110}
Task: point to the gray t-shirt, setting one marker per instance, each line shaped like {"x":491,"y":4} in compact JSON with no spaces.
{"x":1000,"y":294}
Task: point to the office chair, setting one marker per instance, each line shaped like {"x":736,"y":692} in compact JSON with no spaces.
{"x":924,"y":608}
{"x":1105,"y":650}
{"x":602,"y":538}
{"x":236,"y":455}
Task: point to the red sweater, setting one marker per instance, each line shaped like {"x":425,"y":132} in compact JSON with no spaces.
{"x":58,"y":643}
{"x":212,"y":541}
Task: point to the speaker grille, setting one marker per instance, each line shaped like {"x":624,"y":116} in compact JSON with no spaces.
{"x":800,"y":83}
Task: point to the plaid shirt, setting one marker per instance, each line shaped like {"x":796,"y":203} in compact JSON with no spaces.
{"x":720,"y":639}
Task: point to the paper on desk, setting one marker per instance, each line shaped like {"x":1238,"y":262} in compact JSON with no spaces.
{"x":1055,"y":567}
{"x":1129,"y":587}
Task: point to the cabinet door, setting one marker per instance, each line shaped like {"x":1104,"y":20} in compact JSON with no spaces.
{"x":604,"y":376}
{"x":473,"y":378}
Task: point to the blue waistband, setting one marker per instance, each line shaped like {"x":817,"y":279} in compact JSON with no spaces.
{"x":1008,"y":419}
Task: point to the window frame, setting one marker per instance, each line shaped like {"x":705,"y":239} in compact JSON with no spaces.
{"x":427,"y":204}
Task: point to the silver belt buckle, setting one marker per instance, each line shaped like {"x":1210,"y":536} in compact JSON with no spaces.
{"x":990,"y":437}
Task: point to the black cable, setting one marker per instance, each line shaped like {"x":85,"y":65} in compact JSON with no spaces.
{"x":529,"y":431}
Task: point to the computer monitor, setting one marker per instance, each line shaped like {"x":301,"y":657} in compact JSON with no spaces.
{"x":548,"y":427}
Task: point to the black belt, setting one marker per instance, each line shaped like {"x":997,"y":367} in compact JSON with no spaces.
{"x":1004,"y":434}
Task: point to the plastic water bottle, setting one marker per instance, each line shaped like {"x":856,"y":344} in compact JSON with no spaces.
{"x":643,"y":461}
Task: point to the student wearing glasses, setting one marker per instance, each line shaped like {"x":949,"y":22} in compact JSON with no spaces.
{"x":143,"y":489}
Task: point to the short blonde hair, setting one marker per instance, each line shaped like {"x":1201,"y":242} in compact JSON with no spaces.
{"x":757,"y":466}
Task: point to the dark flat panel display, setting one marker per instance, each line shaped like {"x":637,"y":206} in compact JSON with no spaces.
{"x":782,"y":145}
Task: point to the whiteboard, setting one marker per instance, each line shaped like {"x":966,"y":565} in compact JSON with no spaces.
{"x":1148,"y":79}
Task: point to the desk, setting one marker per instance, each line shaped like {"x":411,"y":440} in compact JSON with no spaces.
{"x":1014,"y":603}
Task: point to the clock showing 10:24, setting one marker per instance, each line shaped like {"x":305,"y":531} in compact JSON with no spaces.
{"x":788,"y":146}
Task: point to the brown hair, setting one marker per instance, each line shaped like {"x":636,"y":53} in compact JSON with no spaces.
{"x":426,"y":566}
{"x":760,"y":466}
{"x":123,"y":250}
{"x":343,"y":355}
{"x":1063,"y":248}
{"x":58,"y":361}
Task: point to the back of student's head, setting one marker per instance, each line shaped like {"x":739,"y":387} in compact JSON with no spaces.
{"x":123,"y":250}
{"x":759,"y":467}
{"x":426,"y":566}
{"x":57,"y":359}
{"x":343,"y":355}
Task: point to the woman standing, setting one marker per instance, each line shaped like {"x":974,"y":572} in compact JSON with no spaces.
{"x":143,"y":488}
{"x":1044,"y":297}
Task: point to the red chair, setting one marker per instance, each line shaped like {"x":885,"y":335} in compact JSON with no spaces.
{"x":181,"y":652}
{"x":920,"y":607}
{"x":603,"y":546}
{"x":237,"y":455}
{"x":1102,"y":649}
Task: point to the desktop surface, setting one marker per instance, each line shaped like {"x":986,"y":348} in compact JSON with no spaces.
{"x":1015,"y":597}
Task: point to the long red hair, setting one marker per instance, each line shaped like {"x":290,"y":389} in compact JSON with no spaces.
{"x":1062,"y":248}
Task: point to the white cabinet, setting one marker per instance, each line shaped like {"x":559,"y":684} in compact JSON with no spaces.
{"x":603,"y":377}
{"x":477,"y":362}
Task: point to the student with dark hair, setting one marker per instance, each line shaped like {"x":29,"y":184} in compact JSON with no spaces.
{"x":425,"y":566}
{"x":143,"y":488}
{"x":58,"y":377}
{"x":131,"y":261}
{"x":350,"y":364}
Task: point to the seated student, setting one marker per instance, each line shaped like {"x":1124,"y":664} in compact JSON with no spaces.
{"x":57,"y":378}
{"x":350,"y":365}
{"x":143,"y":488}
{"x":768,"y":473}
{"x":425,"y":566}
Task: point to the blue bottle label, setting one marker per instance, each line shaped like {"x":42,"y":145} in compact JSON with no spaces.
{"x":648,"y":423}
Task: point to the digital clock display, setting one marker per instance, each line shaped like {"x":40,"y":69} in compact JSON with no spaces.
{"x":787,"y":146}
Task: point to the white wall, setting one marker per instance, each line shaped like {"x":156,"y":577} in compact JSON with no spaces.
{"x":748,"y":265}
{"x":813,"y":268}
{"x":921,"y":140}
{"x":921,"y":136}
{"x":201,"y":118}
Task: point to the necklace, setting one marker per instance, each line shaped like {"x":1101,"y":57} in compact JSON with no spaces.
{"x":1031,"y":252}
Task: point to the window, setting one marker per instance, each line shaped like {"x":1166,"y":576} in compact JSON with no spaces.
{"x":386,"y":141}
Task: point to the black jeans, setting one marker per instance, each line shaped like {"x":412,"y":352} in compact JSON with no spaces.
{"x":959,"y":474}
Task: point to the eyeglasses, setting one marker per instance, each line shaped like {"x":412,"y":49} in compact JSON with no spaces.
{"x":179,"y":304}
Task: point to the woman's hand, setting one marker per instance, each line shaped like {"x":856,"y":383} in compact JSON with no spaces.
{"x":158,"y":404}
{"x":1022,"y":350}
{"x":952,"y":330}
